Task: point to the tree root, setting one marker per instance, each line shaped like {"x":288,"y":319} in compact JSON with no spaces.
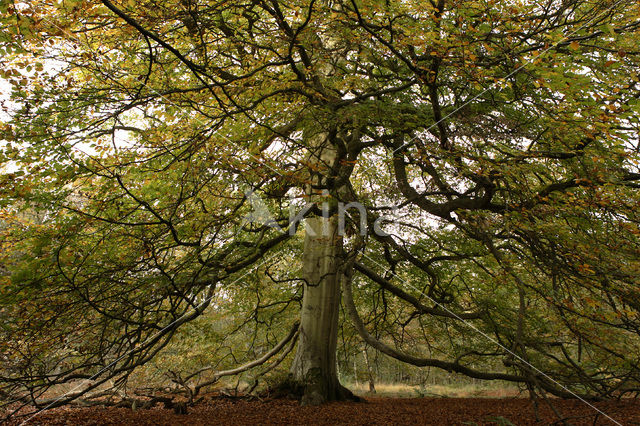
{"x":291,"y":389}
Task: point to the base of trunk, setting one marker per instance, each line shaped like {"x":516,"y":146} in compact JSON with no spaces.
{"x":312,"y":392}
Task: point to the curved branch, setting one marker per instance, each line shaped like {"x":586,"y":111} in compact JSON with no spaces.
{"x":410,"y":359}
{"x":255,"y":363}
{"x":197,"y":70}
{"x":423,"y":309}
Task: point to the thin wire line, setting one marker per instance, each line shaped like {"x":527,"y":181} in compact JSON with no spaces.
{"x":158,"y":334}
{"x":494,"y":341}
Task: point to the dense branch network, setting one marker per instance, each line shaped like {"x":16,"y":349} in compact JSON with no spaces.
{"x":498,"y":136}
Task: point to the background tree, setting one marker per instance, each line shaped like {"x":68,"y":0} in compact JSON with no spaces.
{"x":502,"y":135}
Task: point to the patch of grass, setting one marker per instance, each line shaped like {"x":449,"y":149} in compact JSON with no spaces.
{"x":400,"y":390}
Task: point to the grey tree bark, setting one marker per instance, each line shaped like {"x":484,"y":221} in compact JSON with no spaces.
{"x":372,"y":384}
{"x":314,"y":366}
{"x":314,"y":371}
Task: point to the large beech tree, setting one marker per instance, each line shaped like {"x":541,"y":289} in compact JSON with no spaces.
{"x":495,"y":142}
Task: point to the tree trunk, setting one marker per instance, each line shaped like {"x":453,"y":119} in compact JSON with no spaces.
{"x":313,"y":374}
{"x":314,"y":367}
{"x":372,"y":384}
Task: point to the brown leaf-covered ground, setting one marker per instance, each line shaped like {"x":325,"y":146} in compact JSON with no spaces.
{"x":378,"y":411}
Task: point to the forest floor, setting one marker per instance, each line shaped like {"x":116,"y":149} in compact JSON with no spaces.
{"x":375,"y":411}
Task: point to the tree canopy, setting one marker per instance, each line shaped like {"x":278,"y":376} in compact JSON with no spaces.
{"x":495,"y":142}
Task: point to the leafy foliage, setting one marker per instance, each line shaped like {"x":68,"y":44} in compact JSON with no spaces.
{"x":503,"y":134}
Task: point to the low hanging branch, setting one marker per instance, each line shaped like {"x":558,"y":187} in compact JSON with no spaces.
{"x":431,"y":362}
{"x":252,"y":364}
{"x":168,"y":401}
{"x":410,"y":359}
{"x":423,"y":309}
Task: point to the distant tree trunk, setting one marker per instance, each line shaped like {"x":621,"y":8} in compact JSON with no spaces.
{"x":372,"y":385}
{"x":355,"y":371}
